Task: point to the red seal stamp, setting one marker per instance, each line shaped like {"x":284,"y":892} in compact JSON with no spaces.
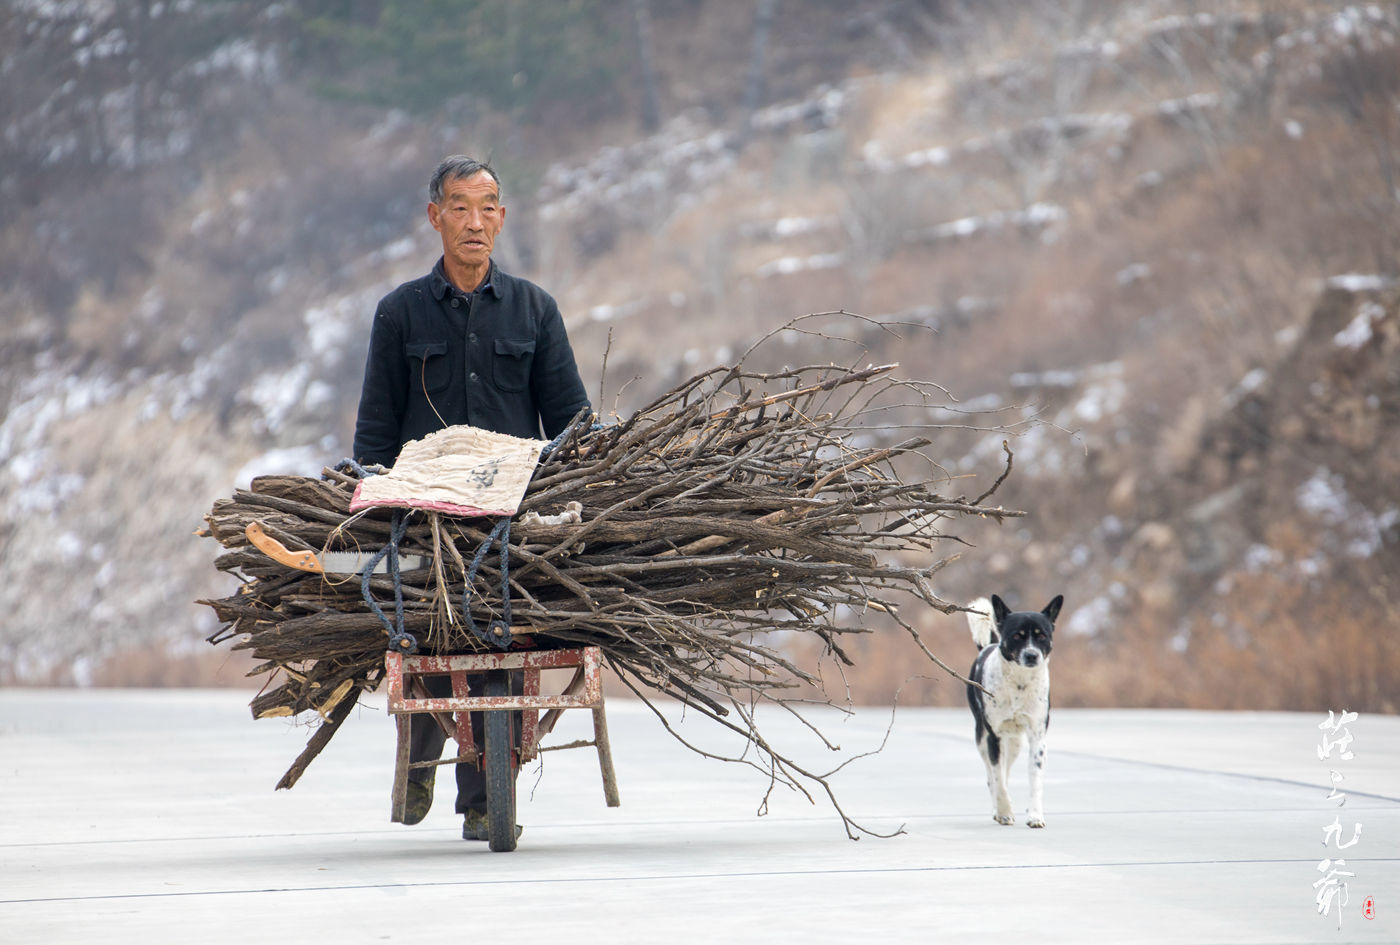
{"x":1368,"y":908}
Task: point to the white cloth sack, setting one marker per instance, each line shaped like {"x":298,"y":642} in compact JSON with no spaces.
{"x":458,"y":470}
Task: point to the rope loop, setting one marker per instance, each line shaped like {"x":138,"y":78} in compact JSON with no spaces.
{"x":399,"y":639}
{"x":497,"y":631}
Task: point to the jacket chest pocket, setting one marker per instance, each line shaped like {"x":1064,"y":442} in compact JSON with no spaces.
{"x":510,"y":368}
{"x":428,"y":367}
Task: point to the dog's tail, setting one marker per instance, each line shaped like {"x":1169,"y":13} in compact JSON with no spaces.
{"x":979,"y":619}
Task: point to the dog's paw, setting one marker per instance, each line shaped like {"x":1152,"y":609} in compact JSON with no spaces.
{"x":1035,"y":820}
{"x":1004,"y":819}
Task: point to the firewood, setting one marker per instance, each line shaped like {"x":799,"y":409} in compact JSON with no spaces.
{"x":737,"y":504}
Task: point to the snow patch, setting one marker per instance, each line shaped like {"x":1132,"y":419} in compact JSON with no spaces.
{"x":1358,"y":532}
{"x":821,"y":111}
{"x":1360,"y":282}
{"x":1260,"y":558}
{"x":1181,"y":640}
{"x":798,"y":226}
{"x":46,"y":494}
{"x":1133,"y":273}
{"x":628,"y":181}
{"x":789,"y":265}
{"x":1036,"y":216}
{"x":393,"y":252}
{"x":1028,"y":379}
{"x":1091,"y":619}
{"x":1359,"y":331}
{"x":276,"y":394}
{"x":242,"y":56}
{"x":608,"y":312}
{"x":1101,"y":400}
{"x":1251,"y":382}
{"x":929,"y":157}
{"x":1201,"y":101}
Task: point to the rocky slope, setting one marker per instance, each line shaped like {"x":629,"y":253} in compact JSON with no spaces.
{"x":1149,"y":245}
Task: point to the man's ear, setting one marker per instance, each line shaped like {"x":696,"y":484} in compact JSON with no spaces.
{"x":999,"y":610}
{"x":435,"y":216}
{"x":1052,"y":609}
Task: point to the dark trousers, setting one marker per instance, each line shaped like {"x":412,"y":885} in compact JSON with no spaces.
{"x":426,"y":740}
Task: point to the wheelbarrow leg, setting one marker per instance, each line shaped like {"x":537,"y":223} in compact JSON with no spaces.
{"x":399,"y":802}
{"x":605,"y":762}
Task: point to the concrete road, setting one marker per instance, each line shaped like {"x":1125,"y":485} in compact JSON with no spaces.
{"x":138,"y":816}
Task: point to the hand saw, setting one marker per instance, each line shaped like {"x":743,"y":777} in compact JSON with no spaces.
{"x":326,"y":562}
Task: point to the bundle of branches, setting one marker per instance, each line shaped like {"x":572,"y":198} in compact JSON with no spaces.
{"x":737,"y":504}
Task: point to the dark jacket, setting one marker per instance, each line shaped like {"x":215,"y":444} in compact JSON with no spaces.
{"x":497,"y":358}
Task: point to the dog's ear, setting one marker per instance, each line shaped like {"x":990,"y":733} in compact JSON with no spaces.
{"x":1052,"y":609}
{"x":999,"y":610}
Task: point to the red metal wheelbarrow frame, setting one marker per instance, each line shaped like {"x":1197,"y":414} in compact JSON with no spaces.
{"x":584,"y":692}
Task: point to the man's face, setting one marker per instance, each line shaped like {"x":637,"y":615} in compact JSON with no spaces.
{"x":468,"y":218}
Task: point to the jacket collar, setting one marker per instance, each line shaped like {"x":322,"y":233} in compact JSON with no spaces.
{"x":441,"y":288}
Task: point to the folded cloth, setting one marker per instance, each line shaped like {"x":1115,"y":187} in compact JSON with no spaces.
{"x":459,"y":470}
{"x":572,"y":515}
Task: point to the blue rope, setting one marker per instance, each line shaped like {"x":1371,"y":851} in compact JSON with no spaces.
{"x":497,"y":632}
{"x":553,"y":444}
{"x":399,"y":639}
{"x":354,"y":467}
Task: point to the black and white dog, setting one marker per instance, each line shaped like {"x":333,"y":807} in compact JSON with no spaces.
{"x":1014,"y":667}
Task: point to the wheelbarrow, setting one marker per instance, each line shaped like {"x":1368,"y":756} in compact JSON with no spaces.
{"x":513,"y":727}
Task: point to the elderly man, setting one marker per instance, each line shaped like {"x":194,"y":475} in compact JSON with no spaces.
{"x":465,"y":344}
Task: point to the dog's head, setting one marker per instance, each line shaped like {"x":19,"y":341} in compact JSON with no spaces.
{"x":1025,"y":636}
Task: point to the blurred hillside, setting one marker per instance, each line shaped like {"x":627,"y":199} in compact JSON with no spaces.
{"x":1149,"y":245}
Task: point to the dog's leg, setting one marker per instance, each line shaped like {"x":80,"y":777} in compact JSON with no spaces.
{"x":993,"y":751}
{"x":1035,"y":816}
{"x":989,"y":748}
{"x":1001,"y":793}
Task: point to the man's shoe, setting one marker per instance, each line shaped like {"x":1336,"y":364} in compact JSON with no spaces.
{"x":418,"y":801}
{"x":474,"y":826}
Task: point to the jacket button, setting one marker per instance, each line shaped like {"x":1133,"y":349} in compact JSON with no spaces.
{"x":472,"y":377}
{"x":456,"y":302}
{"x":472,"y":337}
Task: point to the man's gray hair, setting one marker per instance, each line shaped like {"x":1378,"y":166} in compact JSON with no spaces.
{"x":458,"y":167}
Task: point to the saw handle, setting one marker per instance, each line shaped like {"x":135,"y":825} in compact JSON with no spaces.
{"x":274,"y":549}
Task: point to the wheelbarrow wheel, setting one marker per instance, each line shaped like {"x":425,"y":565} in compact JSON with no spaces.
{"x":500,"y":766}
